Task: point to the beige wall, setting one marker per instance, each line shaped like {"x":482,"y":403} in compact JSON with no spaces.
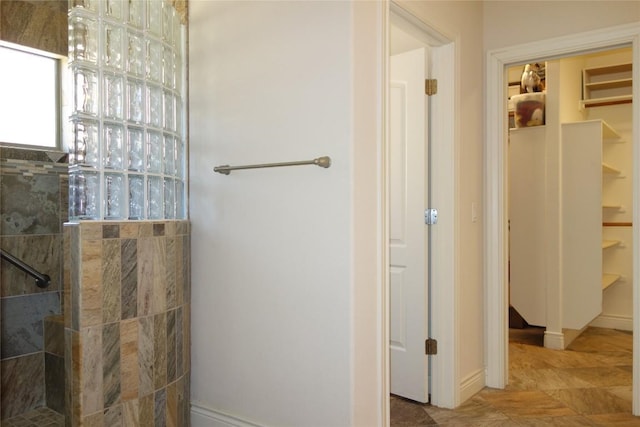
{"x":510,"y":23}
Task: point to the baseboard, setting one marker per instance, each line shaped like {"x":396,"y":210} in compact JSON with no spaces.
{"x":202,"y":416}
{"x":472,"y":384}
{"x":554,"y":340}
{"x":624,"y":323}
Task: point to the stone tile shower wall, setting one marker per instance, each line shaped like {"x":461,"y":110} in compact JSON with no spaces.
{"x":33,"y":207}
{"x":127,"y":293}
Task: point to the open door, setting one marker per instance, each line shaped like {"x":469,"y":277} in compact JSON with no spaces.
{"x":408,"y":242}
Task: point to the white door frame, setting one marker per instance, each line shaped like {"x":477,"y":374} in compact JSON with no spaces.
{"x":496,"y":249}
{"x":445,"y":390}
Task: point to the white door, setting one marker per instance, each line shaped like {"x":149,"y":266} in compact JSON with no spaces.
{"x":408,"y":192}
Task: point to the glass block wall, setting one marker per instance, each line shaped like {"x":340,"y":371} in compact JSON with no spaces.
{"x":127,"y":157}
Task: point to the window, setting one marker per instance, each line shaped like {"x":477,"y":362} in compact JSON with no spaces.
{"x":29,"y":98}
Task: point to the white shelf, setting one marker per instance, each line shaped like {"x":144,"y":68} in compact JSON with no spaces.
{"x":609,"y":279}
{"x":610,"y":170}
{"x":610,"y":243}
{"x":611,"y":206}
{"x":608,"y":85}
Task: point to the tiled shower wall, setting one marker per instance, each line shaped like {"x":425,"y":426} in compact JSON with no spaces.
{"x":33,"y":207}
{"x":127,"y":293}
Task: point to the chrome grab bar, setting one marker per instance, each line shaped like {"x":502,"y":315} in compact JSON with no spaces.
{"x":323,"y":162}
{"x":42,"y":280}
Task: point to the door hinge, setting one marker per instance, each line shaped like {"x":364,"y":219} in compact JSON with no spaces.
{"x":431,"y":216}
{"x":430,"y":346}
{"x":431,"y":86}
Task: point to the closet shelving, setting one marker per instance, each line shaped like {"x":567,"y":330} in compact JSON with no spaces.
{"x":607,"y":85}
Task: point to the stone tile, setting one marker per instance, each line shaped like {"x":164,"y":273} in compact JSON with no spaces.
{"x":30,"y":204}
{"x":22,"y":323}
{"x":111,"y":363}
{"x":92,"y":394}
{"x":145,"y":277}
{"x":160,"y":407}
{"x":147,"y":411}
{"x":590,"y":401}
{"x":111,"y":281}
{"x":129,"y":276}
{"x":158,"y":230}
{"x":130,"y":413}
{"x":178,"y":262}
{"x":22,"y":381}
{"x":129,"y":363}
{"x":54,"y":335}
{"x":129,"y":230}
{"x":145,"y":229}
{"x":94,"y":420}
{"x":171,"y":346}
{"x":568,"y":421}
{"x":611,"y":420}
{"x":159,"y":350}
{"x":42,"y":252}
{"x":532,"y":403}
{"x":408,"y":413}
{"x":91,"y":283}
{"x":545,"y":379}
{"x":179,"y":342}
{"x":113,"y":416}
{"x":603,"y":376}
{"x":91,"y":230}
{"x":171,"y":265}
{"x":110,"y":231}
{"x":28,"y":21}
{"x":159,"y":275}
{"x":54,"y":382}
{"x":475,"y":410}
{"x":172,"y":406}
{"x":145,"y":355}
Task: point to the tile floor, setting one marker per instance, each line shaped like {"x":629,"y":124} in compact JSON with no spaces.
{"x":41,"y":417}
{"x":589,"y":384}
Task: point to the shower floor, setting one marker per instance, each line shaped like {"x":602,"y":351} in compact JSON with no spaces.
{"x":41,"y":417}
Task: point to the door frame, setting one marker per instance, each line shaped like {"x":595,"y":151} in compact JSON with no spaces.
{"x":445,"y":390}
{"x":496,"y":240}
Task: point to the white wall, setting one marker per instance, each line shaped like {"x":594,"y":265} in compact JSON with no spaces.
{"x":285,"y":271}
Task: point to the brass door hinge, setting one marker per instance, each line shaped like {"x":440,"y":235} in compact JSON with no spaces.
{"x":431,"y":86}
{"x":430,"y":346}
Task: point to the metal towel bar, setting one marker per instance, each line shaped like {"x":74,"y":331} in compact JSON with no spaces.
{"x":42,"y":280}
{"x":323,"y":162}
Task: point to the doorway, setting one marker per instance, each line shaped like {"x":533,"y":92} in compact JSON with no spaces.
{"x":496,"y":273}
{"x":443,"y":370}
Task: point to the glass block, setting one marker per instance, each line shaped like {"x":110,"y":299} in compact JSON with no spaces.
{"x":169,"y":155}
{"x":113,"y":39}
{"x":169,"y":112}
{"x":84,"y":195}
{"x":113,"y":145}
{"x":154,"y":17}
{"x":180,"y":203}
{"x":179,"y":118}
{"x":135,"y":54}
{"x":86,"y":144}
{"x":85,"y":82}
{"x":83,"y":39}
{"x":135,"y":148}
{"x":154,"y":60}
{"x":154,"y":151}
{"x":168,"y":74}
{"x":136,"y":197}
{"x":135,"y":101}
{"x":180,"y":159}
{"x":168,"y":14}
{"x":113,"y":96}
{"x":154,"y":103}
{"x":113,"y":9}
{"x":89,"y":5}
{"x":136,"y":13}
{"x":154,"y":197}
{"x":169,"y":198}
{"x":114,"y":203}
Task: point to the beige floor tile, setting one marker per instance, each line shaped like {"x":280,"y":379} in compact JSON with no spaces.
{"x":615,"y":420}
{"x":532,"y":403}
{"x":591,"y":401}
{"x":603,"y":376}
{"x":544,"y":379}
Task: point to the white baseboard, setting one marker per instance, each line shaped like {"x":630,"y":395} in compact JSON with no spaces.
{"x":472,"y":384}
{"x":202,"y":416}
{"x":554,"y":340}
{"x":624,"y":323}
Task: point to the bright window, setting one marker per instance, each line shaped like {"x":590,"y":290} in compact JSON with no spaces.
{"x":29,"y":103}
